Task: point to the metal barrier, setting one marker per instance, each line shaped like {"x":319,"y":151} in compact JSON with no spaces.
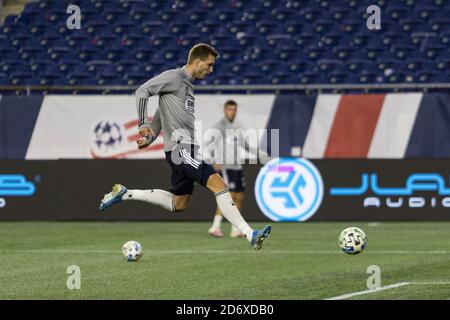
{"x":309,"y":88}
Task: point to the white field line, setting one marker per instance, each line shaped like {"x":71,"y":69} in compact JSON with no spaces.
{"x":359,"y":293}
{"x":392,"y":286}
{"x":432,"y":283}
{"x":202,"y":251}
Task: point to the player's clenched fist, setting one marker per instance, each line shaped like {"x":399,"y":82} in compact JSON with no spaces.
{"x":146,"y":132}
{"x":142,"y":143}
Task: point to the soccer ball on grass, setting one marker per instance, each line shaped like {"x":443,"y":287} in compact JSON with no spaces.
{"x":352,"y":240}
{"x":132,"y":250}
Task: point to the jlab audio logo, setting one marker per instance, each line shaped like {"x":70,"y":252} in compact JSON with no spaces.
{"x":289,"y":189}
{"x":418,"y":190}
{"x":14,"y":185}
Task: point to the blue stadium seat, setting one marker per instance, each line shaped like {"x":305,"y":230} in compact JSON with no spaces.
{"x":392,"y":37}
{"x":441,"y":77}
{"x":31,"y":51}
{"x":326,"y":65}
{"x":402,"y":51}
{"x":410,"y":24}
{"x":339,"y":13}
{"x":280,"y":77}
{"x":310,"y":14}
{"x":124,"y":65}
{"x":12,"y":65}
{"x":322,"y":26}
{"x":337,"y":76}
{"x":344,"y":51}
{"x":351,"y":25}
{"x":97,"y":66}
{"x":245,"y":40}
{"x":433,"y":47}
{"x":315,"y":52}
{"x":396,"y":77}
{"x":253,"y":14}
{"x":136,"y":77}
{"x":51,"y":38}
{"x":358,"y":64}
{"x":310,"y":77}
{"x":317,"y":41}
{"x":385,"y":62}
{"x":293,"y":27}
{"x":439,"y":24}
{"x":282,"y":14}
{"x":425,"y":12}
{"x":152,"y":67}
{"x":124,"y":26}
{"x":443,"y":63}
{"x":95,"y":26}
{"x":368,"y":76}
{"x":41,"y":65}
{"x":4,"y":79}
{"x":86,"y":53}
{"x":265,"y":27}
{"x":75,"y":65}
{"x":81,"y":78}
{"x":20,"y":77}
{"x":332,"y":39}
{"x":425,"y":76}
{"x":250,"y":78}
{"x":225,"y":15}
{"x":208,"y":26}
{"x":141,"y":11}
{"x":415,"y":64}
{"x":397,"y":12}
{"x":167,"y":15}
{"x":113,"y":13}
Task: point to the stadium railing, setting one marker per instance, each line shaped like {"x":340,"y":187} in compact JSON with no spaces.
{"x":308,"y":89}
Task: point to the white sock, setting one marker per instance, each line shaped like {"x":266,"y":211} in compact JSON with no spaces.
{"x":217,"y":221}
{"x":159,"y":197}
{"x":232,"y":214}
{"x":234,"y":230}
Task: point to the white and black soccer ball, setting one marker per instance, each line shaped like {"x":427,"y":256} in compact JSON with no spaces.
{"x":352,"y":240}
{"x":132,"y":250}
{"x":107,"y":135}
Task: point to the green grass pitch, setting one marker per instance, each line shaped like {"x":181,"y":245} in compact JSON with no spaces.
{"x":180,"y":261}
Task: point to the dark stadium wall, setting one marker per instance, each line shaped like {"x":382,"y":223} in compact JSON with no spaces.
{"x":364,"y":190}
{"x":72,"y":190}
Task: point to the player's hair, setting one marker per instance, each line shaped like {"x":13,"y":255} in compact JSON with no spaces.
{"x":201,"y":51}
{"x":230,"y":103}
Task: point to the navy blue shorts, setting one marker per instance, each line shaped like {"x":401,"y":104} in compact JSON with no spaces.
{"x":234,"y":179}
{"x":187,"y":169}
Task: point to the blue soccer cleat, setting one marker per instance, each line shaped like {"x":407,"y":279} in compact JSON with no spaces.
{"x":113,"y":197}
{"x":259,"y":236}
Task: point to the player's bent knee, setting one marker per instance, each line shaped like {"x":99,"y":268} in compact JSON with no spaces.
{"x":216,"y":183}
{"x":182,"y":203}
{"x":181,"y":208}
{"x":239,"y":196}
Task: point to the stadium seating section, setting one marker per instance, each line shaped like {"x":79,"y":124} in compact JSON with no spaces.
{"x":260,"y":41}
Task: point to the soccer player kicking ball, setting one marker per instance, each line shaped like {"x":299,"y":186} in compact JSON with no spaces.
{"x":176,"y":115}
